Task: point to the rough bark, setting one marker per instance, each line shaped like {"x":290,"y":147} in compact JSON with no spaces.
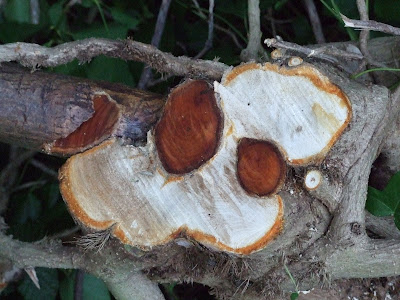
{"x":34,"y":56}
{"x":41,"y":110}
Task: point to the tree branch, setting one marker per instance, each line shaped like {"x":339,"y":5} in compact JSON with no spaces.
{"x":208,"y":44}
{"x":364,"y":36}
{"x":48,"y":255}
{"x":315,"y":21}
{"x":34,"y":56}
{"x":35,"y":11}
{"x":140,"y":288}
{"x":382,"y":226}
{"x":254,"y":47}
{"x":32,"y":115}
{"x":119,"y":271}
{"x":155,"y":41}
{"x":327,"y":53}
{"x":376,"y":258}
{"x":370,"y":25}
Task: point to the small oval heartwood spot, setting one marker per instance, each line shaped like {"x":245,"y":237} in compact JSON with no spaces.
{"x":261,"y":167}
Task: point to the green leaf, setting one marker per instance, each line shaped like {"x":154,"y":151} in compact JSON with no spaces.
{"x":93,"y":288}
{"x":48,"y":281}
{"x":17,"y":11}
{"x":386,"y":202}
{"x":397,"y":217}
{"x":377,"y":203}
{"x":110,"y":69}
{"x":294,"y":296}
{"x":74,"y":68}
{"x":392,"y":190}
{"x":67,"y":287}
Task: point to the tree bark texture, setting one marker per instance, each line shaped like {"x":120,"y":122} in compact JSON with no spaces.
{"x":42,"y":111}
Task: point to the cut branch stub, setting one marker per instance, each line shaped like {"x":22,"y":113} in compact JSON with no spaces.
{"x":299,"y":108}
{"x":99,"y":127}
{"x":189,"y":131}
{"x":63,"y":115}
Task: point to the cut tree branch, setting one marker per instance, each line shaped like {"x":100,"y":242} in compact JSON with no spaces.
{"x":63,"y":115}
{"x":327,"y":53}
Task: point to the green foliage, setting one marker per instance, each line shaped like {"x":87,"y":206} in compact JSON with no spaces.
{"x":387,"y":11}
{"x":93,"y":288}
{"x":37,"y":212}
{"x":386,"y":202}
{"x":169,"y":290}
{"x":17,"y":11}
{"x":48,"y":280}
{"x":347,"y":8}
{"x":295,"y":294}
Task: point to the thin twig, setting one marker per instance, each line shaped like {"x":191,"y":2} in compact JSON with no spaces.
{"x":364,"y":34}
{"x":272,"y":21}
{"x":35,"y":11}
{"x":321,"y":52}
{"x":34,"y":56}
{"x":28,"y":185}
{"x":315,"y":21}
{"x":44,"y":168}
{"x":65,"y":233}
{"x":5,"y":173}
{"x":326,"y":53}
{"x":370,"y":25}
{"x":216,"y":26}
{"x":270,"y":18}
{"x":155,"y":41}
{"x":254,"y":47}
{"x":208,"y":44}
